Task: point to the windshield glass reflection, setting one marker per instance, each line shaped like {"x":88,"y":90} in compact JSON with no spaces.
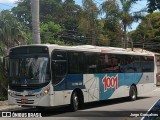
{"x":33,"y":70}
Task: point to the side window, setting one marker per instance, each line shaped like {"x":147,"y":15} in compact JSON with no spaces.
{"x":157,"y":60}
{"x":157,"y":57}
{"x":73,"y":63}
{"x":147,"y":63}
{"x":116,"y":62}
{"x":129,"y":64}
{"x":132,"y":64}
{"x":110,"y":63}
{"x":59,"y":65}
{"x":137,"y":64}
{"x":82,"y":63}
{"x":91,"y":62}
{"x":76,"y":62}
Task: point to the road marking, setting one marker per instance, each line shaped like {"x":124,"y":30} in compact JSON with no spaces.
{"x":150,"y":109}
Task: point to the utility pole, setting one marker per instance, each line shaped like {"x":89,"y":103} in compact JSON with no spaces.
{"x":35,"y":21}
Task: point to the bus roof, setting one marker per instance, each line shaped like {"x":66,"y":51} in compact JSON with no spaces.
{"x":91,"y":48}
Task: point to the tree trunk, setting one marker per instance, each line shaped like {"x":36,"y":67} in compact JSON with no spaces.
{"x":125,"y":36}
{"x":35,"y":21}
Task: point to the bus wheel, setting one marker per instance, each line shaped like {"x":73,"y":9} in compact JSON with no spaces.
{"x":74,"y":101}
{"x":133,"y":93}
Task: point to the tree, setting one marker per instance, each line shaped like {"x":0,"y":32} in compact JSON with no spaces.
{"x":50,"y":10}
{"x":153,"y":5}
{"x":65,"y":13}
{"x":71,"y":13}
{"x":148,"y":30}
{"x":49,"y":32}
{"x":35,"y":21}
{"x":116,"y":14}
{"x":3,"y":83}
{"x":88,"y":21}
{"x":23,"y":12}
{"x":11,"y":32}
{"x":113,"y":30}
{"x":69,"y":22}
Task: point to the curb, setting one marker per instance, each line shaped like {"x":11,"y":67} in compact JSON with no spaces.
{"x":9,"y":107}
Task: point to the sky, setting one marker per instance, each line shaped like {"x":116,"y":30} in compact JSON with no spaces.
{"x":8,"y":4}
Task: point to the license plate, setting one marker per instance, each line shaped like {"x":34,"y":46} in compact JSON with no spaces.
{"x":24,"y":100}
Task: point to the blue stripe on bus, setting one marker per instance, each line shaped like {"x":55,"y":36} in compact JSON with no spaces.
{"x":70,"y":82}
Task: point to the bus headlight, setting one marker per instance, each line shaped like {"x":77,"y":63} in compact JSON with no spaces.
{"x":11,"y":93}
{"x":46,"y":91}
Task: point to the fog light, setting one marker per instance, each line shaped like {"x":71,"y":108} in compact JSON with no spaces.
{"x":42,"y":94}
{"x":38,"y":95}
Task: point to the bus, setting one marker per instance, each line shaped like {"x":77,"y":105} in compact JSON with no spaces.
{"x":45,"y":75}
{"x":157,"y":69}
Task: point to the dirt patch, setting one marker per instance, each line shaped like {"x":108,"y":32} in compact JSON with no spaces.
{"x":3,"y":103}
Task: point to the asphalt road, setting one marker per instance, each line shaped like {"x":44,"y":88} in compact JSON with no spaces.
{"x":115,"y":109}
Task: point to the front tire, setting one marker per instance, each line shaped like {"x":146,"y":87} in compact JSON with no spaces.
{"x":133,"y":93}
{"x":74,"y":102}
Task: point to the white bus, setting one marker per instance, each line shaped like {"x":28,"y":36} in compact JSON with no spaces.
{"x":53,"y":75}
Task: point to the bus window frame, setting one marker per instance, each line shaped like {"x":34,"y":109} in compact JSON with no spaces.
{"x":54,"y":61}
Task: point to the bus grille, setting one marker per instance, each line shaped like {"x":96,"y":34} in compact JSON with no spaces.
{"x":25,"y":95}
{"x":28,"y":101}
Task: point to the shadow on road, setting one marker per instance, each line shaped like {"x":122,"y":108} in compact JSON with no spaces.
{"x":64,"y":111}
{"x":109,"y":102}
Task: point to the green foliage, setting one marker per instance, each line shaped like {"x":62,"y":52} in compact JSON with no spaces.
{"x":71,"y":13}
{"x":64,"y":13}
{"x":118,"y":18}
{"x":148,"y":30}
{"x":153,"y":5}
{"x":103,"y":40}
{"x":89,"y":26}
{"x":3,"y":83}
{"x":11,"y":31}
{"x":49,"y":32}
{"x":64,"y":22}
{"x":23,"y":12}
{"x":28,"y":37}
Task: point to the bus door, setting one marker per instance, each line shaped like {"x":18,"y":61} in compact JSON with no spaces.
{"x":59,"y":71}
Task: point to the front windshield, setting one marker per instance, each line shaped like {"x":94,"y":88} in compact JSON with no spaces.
{"x":29,"y":70}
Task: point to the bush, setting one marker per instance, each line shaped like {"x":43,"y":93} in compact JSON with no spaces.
{"x":3,"y":83}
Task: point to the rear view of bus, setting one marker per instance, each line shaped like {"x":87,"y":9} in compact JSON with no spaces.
{"x":29,"y":76}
